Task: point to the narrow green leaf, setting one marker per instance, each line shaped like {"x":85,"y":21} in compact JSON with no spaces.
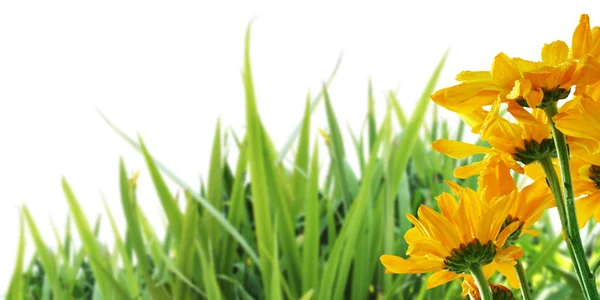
{"x":310,"y":250}
{"x":185,"y":251}
{"x":133,"y":286}
{"x":208,"y":274}
{"x":262,"y":211}
{"x":299,"y":178}
{"x":46,"y":257}
{"x":215,"y":189}
{"x":371,"y":117}
{"x":236,"y":211}
{"x":106,"y":282}
{"x":135,"y":233}
{"x":15,"y":289}
{"x":337,"y":149}
{"x":166,"y":198}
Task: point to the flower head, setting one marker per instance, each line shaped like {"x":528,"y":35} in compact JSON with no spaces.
{"x":586,"y":182}
{"x":523,"y":82}
{"x":465,"y":233}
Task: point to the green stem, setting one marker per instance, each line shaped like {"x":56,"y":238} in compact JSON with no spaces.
{"x":571,"y":231}
{"x":525,"y":290}
{"x":484,"y":288}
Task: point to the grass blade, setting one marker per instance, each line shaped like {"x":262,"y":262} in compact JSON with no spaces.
{"x":166,"y":198}
{"x":109,"y":288}
{"x":310,"y":250}
{"x":15,"y":289}
{"x":46,"y":257}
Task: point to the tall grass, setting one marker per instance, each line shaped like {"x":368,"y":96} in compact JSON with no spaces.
{"x":263,"y":229}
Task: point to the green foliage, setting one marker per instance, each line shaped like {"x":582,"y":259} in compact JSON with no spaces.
{"x":309,"y":229}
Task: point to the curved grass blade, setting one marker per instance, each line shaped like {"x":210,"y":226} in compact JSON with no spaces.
{"x":106,"y":282}
{"x":15,"y":289}
{"x":207,"y":206}
{"x":45,"y":255}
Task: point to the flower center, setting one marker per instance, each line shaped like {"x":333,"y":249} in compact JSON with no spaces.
{"x":595,"y":175}
{"x":535,"y":151}
{"x":465,"y":256}
{"x":513,"y":237}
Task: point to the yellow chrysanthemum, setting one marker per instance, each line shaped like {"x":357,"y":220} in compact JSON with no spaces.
{"x":464,"y":234}
{"x":510,"y":143}
{"x":586,"y":182}
{"x":582,"y":124}
{"x":528,"y":83}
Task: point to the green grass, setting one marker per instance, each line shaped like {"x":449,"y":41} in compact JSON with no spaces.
{"x":263,"y":229}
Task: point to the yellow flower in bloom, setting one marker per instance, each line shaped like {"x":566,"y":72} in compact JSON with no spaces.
{"x":582,"y":124}
{"x":470,"y":288}
{"x":586,"y":181}
{"x":511,"y":143}
{"x":464,"y":234}
{"x":479,"y":88}
{"x":528,"y":83}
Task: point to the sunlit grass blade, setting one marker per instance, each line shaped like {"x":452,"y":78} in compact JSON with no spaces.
{"x":310,"y":248}
{"x":299,"y":177}
{"x":207,"y":206}
{"x":215,"y":190}
{"x":15,"y":289}
{"x":208,"y":271}
{"x":166,"y":198}
{"x":371,"y":121}
{"x":105,"y":281}
{"x":262,"y":210}
{"x":336,"y":148}
{"x":186,"y":250}
{"x":337,"y":268}
{"x":135,"y":233}
{"x":133,"y":286}
{"x":46,"y":256}
{"x":236,"y":211}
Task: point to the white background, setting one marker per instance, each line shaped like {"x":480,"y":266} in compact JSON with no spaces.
{"x":169,"y":71}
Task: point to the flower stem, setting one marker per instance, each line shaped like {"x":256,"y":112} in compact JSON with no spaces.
{"x":484,"y":288}
{"x":570,"y":228}
{"x":525,"y":290}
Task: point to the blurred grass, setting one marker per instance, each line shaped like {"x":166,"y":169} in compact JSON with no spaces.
{"x":311,"y":229}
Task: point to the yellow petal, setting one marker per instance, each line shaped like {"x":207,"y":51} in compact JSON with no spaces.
{"x":447,"y":204}
{"x":505,"y":71}
{"x":456,"y":149}
{"x":581,"y":43}
{"x":470,"y":170}
{"x":585,"y":209}
{"x":555,"y":53}
{"x":509,"y":254}
{"x":465,"y":76}
{"x":440,"y":277}
{"x":505,"y":233}
{"x":508,"y":270}
{"x":424,"y":247}
{"x":442,"y":228}
{"x":398,"y":265}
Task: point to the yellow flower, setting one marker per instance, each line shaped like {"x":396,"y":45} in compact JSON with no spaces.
{"x":581,"y":124}
{"x":586,"y":181}
{"x":479,"y":88}
{"x":523,"y":82}
{"x":463,"y":234}
{"x":510,"y":143}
